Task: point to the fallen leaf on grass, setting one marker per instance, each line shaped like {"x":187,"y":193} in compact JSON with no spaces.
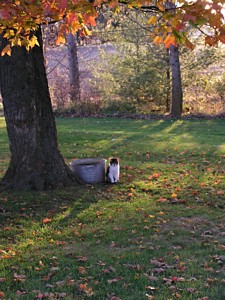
{"x":162,"y":200}
{"x":99,"y":213}
{"x":220,"y":193}
{"x":150,"y":297}
{"x":71,"y":282}
{"x":62,"y":295}
{"x":177,"y":279}
{"x":112,"y":245}
{"x":116,"y":279}
{"x":49,"y":286}
{"x":46,"y":220}
{"x":60,"y":283}
{"x":49,"y":295}
{"x":191,"y":290}
{"x":157,"y":263}
{"x":109,"y":270}
{"x":154,"y":176}
{"x":7,"y":255}
{"x":161,"y":213}
{"x":54,"y":269}
{"x":49,"y":276}
{"x":152,"y":277}
{"x":101,"y":263}
{"x":81,"y":258}
{"x":151,"y":288}
{"x":178,"y":296}
{"x":58,"y":243}
{"x":19,"y":293}
{"x":82,"y":270}
{"x":87,"y":290}
{"x":83,"y":286}
{"x":18,"y":277}
{"x":7,"y":229}
{"x":133,"y":266}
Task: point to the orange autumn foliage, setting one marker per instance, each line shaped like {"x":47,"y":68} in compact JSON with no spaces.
{"x":19,"y":19}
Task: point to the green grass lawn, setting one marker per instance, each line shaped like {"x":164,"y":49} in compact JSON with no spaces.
{"x":159,"y":234}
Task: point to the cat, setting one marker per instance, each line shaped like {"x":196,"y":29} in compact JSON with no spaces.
{"x":113,"y":171}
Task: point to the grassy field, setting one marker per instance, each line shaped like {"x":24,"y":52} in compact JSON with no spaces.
{"x":159,"y":234}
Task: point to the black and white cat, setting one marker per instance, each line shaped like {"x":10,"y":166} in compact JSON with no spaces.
{"x":113,"y":171}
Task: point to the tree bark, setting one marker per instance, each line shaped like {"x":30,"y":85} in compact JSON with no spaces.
{"x":177,"y":93}
{"x":168,"y":81}
{"x":73,"y":69}
{"x":36,"y":162}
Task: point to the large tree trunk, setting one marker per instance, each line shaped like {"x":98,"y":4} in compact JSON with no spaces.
{"x":177,"y":93}
{"x":36,"y":163}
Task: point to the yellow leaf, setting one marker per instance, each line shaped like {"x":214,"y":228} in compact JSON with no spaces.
{"x":33,"y":42}
{"x":116,"y":10}
{"x":157,"y":40}
{"x":6,"y":51}
{"x":19,"y":43}
{"x":169,"y":40}
{"x":160,"y":6}
{"x":87,"y":31}
{"x":153,"y":20}
{"x":60,"y":40}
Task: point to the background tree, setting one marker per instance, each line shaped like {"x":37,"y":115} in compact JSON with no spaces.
{"x":73,"y":69}
{"x":177,"y":91}
{"x":201,"y":69}
{"x":132,"y":76}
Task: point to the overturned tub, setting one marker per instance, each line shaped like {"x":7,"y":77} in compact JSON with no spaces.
{"x":89,"y":170}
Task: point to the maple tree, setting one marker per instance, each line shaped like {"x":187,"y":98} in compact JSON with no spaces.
{"x":20,"y":19}
{"x":36,"y":162}
{"x":175,"y":20}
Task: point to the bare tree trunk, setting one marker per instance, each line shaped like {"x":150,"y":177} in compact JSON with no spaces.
{"x":73,"y":69}
{"x":177,"y":93}
{"x":168,"y":84}
{"x":36,"y":162}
